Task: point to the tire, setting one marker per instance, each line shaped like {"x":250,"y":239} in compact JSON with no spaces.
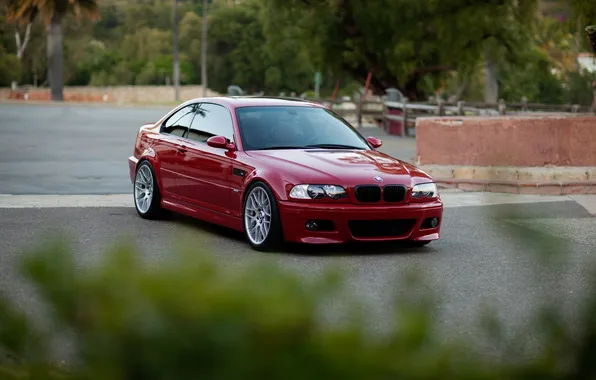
{"x":254,"y":216}
{"x":148,"y":207}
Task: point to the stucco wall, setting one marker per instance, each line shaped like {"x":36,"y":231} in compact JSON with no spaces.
{"x":507,"y":141}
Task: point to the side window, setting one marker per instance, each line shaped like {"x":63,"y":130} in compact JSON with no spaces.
{"x":211,"y":120}
{"x":180,"y":121}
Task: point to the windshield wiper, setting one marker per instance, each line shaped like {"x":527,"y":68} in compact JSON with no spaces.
{"x":333,"y":146}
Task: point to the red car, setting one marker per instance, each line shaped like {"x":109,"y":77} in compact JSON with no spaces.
{"x":280,"y":170}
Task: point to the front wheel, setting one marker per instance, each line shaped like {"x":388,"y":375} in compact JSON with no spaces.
{"x":146,"y":192}
{"x":262,"y":224}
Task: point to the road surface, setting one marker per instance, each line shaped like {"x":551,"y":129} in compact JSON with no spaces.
{"x":47,"y":152}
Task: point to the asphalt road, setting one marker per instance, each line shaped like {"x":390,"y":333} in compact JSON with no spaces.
{"x":83,"y":150}
{"x":68,"y":149}
{"x":79,"y":149}
{"x":475,"y":261}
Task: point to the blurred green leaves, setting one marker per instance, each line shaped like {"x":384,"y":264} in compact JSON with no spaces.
{"x":192,"y":316}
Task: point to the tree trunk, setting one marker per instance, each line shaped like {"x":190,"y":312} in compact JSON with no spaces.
{"x":176,"y":56}
{"x":491,"y":89}
{"x":21,"y":45}
{"x":54,"y":51}
{"x":204,"y":49}
{"x":591,"y":33}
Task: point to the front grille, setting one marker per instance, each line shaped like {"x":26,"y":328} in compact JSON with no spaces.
{"x":380,"y":228}
{"x":394,"y":193}
{"x":367,"y":193}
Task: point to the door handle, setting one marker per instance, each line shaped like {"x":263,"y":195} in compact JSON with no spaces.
{"x":181,"y":149}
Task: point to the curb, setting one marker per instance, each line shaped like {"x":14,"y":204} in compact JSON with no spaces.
{"x":519,"y":187}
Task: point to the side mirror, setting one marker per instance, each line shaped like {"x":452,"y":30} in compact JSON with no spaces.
{"x":374,"y":142}
{"x":220,"y":142}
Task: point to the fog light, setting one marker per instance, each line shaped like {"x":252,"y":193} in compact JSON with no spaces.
{"x":434,"y":222}
{"x":312,"y":225}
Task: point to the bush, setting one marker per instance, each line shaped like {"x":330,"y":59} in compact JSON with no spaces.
{"x":191,"y":318}
{"x":10,"y":68}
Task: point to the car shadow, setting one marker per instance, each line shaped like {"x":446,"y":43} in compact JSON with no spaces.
{"x":205,"y":226}
{"x":348,"y":249}
{"x":356,"y":249}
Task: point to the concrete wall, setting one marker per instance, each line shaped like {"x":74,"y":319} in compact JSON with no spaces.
{"x":117,"y":94}
{"x":528,"y":141}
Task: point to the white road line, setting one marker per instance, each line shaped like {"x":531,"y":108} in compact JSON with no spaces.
{"x":450,"y":199}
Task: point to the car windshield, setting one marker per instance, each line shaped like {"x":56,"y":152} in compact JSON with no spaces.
{"x":295,"y":127}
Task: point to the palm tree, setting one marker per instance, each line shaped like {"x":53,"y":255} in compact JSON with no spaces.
{"x":53,"y":12}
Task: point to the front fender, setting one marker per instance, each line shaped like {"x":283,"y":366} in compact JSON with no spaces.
{"x":152,"y":157}
{"x":272,"y":178}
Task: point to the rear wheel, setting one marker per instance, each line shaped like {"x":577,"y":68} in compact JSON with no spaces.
{"x":146,"y":192}
{"x":262,"y":224}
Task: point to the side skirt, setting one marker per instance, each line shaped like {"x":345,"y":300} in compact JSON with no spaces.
{"x":200,"y":213}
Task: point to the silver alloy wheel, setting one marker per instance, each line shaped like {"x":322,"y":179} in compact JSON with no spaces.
{"x":143,"y":189}
{"x":257,"y":215}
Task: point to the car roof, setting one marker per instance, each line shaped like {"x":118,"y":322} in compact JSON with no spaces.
{"x":254,"y":101}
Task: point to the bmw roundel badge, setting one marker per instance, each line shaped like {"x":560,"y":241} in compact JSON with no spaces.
{"x":378,"y":179}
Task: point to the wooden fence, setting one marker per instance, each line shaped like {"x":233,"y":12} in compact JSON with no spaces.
{"x":383,"y":113}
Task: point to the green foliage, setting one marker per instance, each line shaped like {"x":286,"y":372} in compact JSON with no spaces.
{"x":535,"y":80}
{"x":591,"y":34}
{"x":403,"y":41}
{"x":10,"y":68}
{"x":278,"y":45}
{"x":580,"y":88}
{"x":192,"y":317}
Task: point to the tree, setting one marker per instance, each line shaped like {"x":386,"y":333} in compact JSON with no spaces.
{"x":53,"y":12}
{"x":27,"y":17}
{"x":591,"y":33}
{"x":10,"y":68}
{"x":402,"y":42}
{"x":176,"y":54}
{"x":204,"y":49}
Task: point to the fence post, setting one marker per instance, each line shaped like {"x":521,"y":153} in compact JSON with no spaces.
{"x":441,"y":107}
{"x":404,"y":131}
{"x":385,"y":113}
{"x":359,"y":111}
{"x":524,"y":104}
{"x":594,"y":97}
{"x":502,"y":107}
{"x":460,"y":108}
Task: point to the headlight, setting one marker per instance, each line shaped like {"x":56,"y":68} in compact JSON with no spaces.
{"x":317,"y":192}
{"x":425,"y":190}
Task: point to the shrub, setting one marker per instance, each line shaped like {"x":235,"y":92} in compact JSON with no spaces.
{"x":10,"y":68}
{"x":189,"y":317}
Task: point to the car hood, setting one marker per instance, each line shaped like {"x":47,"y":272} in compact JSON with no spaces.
{"x":343,"y":167}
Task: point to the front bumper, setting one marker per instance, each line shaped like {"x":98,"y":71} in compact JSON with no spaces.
{"x":340,"y":221}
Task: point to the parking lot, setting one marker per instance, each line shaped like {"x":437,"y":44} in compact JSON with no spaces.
{"x":63,"y":168}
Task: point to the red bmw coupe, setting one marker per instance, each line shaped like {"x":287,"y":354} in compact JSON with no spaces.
{"x":280,"y":170}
